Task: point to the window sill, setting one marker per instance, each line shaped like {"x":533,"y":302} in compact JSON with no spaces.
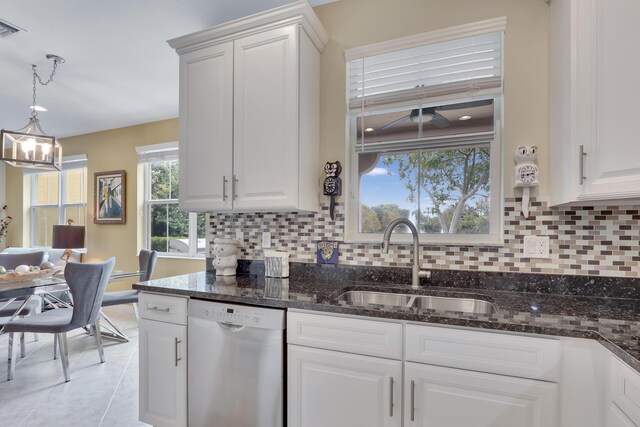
{"x":184,"y":257}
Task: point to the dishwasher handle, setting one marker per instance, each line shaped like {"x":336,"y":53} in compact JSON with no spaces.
{"x":231,"y":327}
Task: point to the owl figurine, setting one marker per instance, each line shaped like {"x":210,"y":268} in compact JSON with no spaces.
{"x":526,"y":173}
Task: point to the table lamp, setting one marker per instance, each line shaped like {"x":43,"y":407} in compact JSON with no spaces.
{"x":67,"y":237}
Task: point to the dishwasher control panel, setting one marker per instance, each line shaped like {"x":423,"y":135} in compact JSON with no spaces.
{"x":240,"y":315}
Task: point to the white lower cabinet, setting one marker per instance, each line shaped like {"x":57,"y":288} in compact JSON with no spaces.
{"x":624,"y":395}
{"x":617,"y":418}
{"x":439,"y":397}
{"x":163,"y":373}
{"x":331,"y":388}
{"x":329,"y":384}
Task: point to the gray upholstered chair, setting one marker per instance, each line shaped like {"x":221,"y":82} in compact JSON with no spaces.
{"x":147,"y":261}
{"x":87,"y":283}
{"x":7,"y":307}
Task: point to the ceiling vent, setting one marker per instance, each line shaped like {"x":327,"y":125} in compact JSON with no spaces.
{"x":8,"y":30}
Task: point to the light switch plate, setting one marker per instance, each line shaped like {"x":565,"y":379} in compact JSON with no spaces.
{"x":536,"y":247}
{"x":266,"y":240}
{"x":240,"y":237}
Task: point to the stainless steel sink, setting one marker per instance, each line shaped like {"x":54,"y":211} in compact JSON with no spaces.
{"x":368,"y":297}
{"x":465,"y":305}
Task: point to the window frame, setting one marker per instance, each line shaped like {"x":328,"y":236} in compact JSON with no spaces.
{"x":148,"y":203}
{"x":496,"y":199}
{"x":61,"y":206}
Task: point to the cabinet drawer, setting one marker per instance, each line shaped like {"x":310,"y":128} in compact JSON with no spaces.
{"x":625,"y":389}
{"x":359,"y":336}
{"x":518,"y":356}
{"x":164,"y":308}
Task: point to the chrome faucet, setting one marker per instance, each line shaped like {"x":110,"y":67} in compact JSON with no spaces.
{"x":417,"y":273}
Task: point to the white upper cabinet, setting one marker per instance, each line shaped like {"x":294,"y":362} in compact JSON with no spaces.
{"x":206,"y":128}
{"x":249,"y":113}
{"x":266,"y":119}
{"x":594,"y":100}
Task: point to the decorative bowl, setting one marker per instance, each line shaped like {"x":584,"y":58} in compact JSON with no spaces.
{"x":12,"y":276}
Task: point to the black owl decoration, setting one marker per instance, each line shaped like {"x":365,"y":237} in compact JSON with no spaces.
{"x":332,"y":186}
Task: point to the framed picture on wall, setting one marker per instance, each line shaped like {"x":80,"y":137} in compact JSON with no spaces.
{"x":109,"y":189}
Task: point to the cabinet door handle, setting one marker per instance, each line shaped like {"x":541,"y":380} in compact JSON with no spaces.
{"x":391,"y":397}
{"x":583,"y":154}
{"x":155,"y":308}
{"x":224,"y":187}
{"x":413,"y":400}
{"x":234,"y":188}
{"x":177,"y":358}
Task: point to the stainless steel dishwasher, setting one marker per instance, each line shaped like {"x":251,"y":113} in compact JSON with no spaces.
{"x":235,"y":365}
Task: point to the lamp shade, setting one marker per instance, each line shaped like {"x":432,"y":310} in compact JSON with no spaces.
{"x":68,"y":237}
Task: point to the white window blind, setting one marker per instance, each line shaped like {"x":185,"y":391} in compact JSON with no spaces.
{"x":157,"y":152}
{"x":469,"y":64}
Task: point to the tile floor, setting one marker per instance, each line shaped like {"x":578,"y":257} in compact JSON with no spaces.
{"x":98,"y":395}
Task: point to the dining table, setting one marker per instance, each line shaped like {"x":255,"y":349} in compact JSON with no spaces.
{"x":48,"y":289}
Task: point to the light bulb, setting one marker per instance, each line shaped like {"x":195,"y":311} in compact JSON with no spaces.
{"x":46,"y":149}
{"x":29,"y":145}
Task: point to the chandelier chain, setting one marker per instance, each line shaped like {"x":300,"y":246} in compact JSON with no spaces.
{"x":34,"y":67}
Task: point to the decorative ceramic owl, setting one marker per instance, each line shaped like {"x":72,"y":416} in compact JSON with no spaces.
{"x":526,"y":170}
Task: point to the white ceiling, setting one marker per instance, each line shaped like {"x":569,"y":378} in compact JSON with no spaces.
{"x":119,"y":70}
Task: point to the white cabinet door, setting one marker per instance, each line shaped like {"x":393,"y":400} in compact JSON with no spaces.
{"x":594,"y":100}
{"x":616,"y":418}
{"x":439,"y":397}
{"x":329,"y":388}
{"x":206,"y":128}
{"x":624,"y":392}
{"x":163,"y":374}
{"x":266,"y":120}
{"x":613,"y":166}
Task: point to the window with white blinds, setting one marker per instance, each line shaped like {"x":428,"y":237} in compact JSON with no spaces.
{"x":424,"y":123}
{"x":471,"y":63}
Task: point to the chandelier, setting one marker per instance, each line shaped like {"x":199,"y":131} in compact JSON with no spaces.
{"x":30,"y":147}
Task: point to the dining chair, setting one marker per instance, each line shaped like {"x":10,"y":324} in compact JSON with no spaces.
{"x":147,"y":262}
{"x":7,"y":307}
{"x":87,"y":282}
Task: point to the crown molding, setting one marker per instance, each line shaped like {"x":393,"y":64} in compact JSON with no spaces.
{"x":299,"y":12}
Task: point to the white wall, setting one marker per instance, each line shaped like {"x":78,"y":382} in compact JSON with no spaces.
{"x":3,"y":184}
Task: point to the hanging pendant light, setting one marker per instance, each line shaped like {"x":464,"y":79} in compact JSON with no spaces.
{"x":30,"y":147}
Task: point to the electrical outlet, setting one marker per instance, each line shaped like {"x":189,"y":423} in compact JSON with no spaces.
{"x":536,"y":247}
{"x":240,"y":237}
{"x":266,"y":240}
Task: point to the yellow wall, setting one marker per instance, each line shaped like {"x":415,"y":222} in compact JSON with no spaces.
{"x":107,"y":151}
{"x":353,"y":23}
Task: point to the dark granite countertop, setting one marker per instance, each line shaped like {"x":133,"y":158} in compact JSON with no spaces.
{"x":614,"y":322}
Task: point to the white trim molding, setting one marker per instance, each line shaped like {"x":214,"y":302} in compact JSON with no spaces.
{"x":299,"y":12}
{"x":436,"y":36}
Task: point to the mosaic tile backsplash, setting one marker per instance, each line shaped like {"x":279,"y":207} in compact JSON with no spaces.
{"x":584,"y":240}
